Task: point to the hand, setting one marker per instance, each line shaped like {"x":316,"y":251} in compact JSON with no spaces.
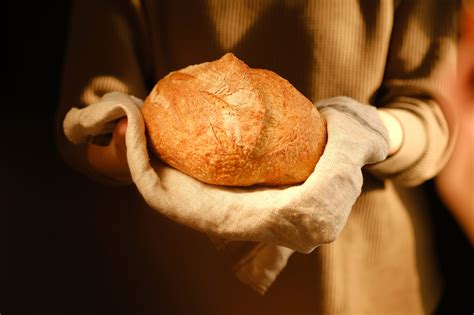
{"x":111,"y":160}
{"x":395,"y":131}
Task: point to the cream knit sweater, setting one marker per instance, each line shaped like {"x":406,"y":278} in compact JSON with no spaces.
{"x":385,"y":53}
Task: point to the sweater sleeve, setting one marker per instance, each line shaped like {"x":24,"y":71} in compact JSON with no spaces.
{"x":105,"y":52}
{"x":422,"y":51}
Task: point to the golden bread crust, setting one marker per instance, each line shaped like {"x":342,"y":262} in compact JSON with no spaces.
{"x":227,"y":124}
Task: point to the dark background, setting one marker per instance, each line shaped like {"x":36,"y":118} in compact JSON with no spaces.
{"x":52,"y":257}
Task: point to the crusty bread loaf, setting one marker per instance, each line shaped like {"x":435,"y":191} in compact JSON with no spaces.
{"x":224,"y":123}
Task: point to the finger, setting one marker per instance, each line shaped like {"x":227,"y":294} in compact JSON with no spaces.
{"x":118,"y":138}
{"x":121,"y":126}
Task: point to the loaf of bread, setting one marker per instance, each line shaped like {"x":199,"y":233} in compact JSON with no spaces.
{"x":225,"y":123}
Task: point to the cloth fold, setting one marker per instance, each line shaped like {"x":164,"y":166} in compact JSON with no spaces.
{"x":280,"y":220}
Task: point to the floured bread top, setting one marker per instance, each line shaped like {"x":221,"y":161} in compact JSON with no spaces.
{"x":224,"y":123}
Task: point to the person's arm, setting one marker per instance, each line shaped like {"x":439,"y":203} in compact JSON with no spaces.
{"x":455,"y":183}
{"x":106,"y":52}
{"x":422,"y":44}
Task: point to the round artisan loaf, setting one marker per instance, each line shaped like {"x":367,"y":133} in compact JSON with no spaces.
{"x":224,"y":123}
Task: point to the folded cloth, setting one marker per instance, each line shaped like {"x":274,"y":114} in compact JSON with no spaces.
{"x":280,"y":220}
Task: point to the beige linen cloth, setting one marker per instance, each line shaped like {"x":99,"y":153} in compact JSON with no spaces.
{"x":280,"y":220}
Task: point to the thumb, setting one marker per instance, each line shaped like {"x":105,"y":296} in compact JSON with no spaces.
{"x":118,"y":134}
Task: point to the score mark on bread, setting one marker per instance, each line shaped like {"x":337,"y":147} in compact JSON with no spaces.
{"x":225,"y":123}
